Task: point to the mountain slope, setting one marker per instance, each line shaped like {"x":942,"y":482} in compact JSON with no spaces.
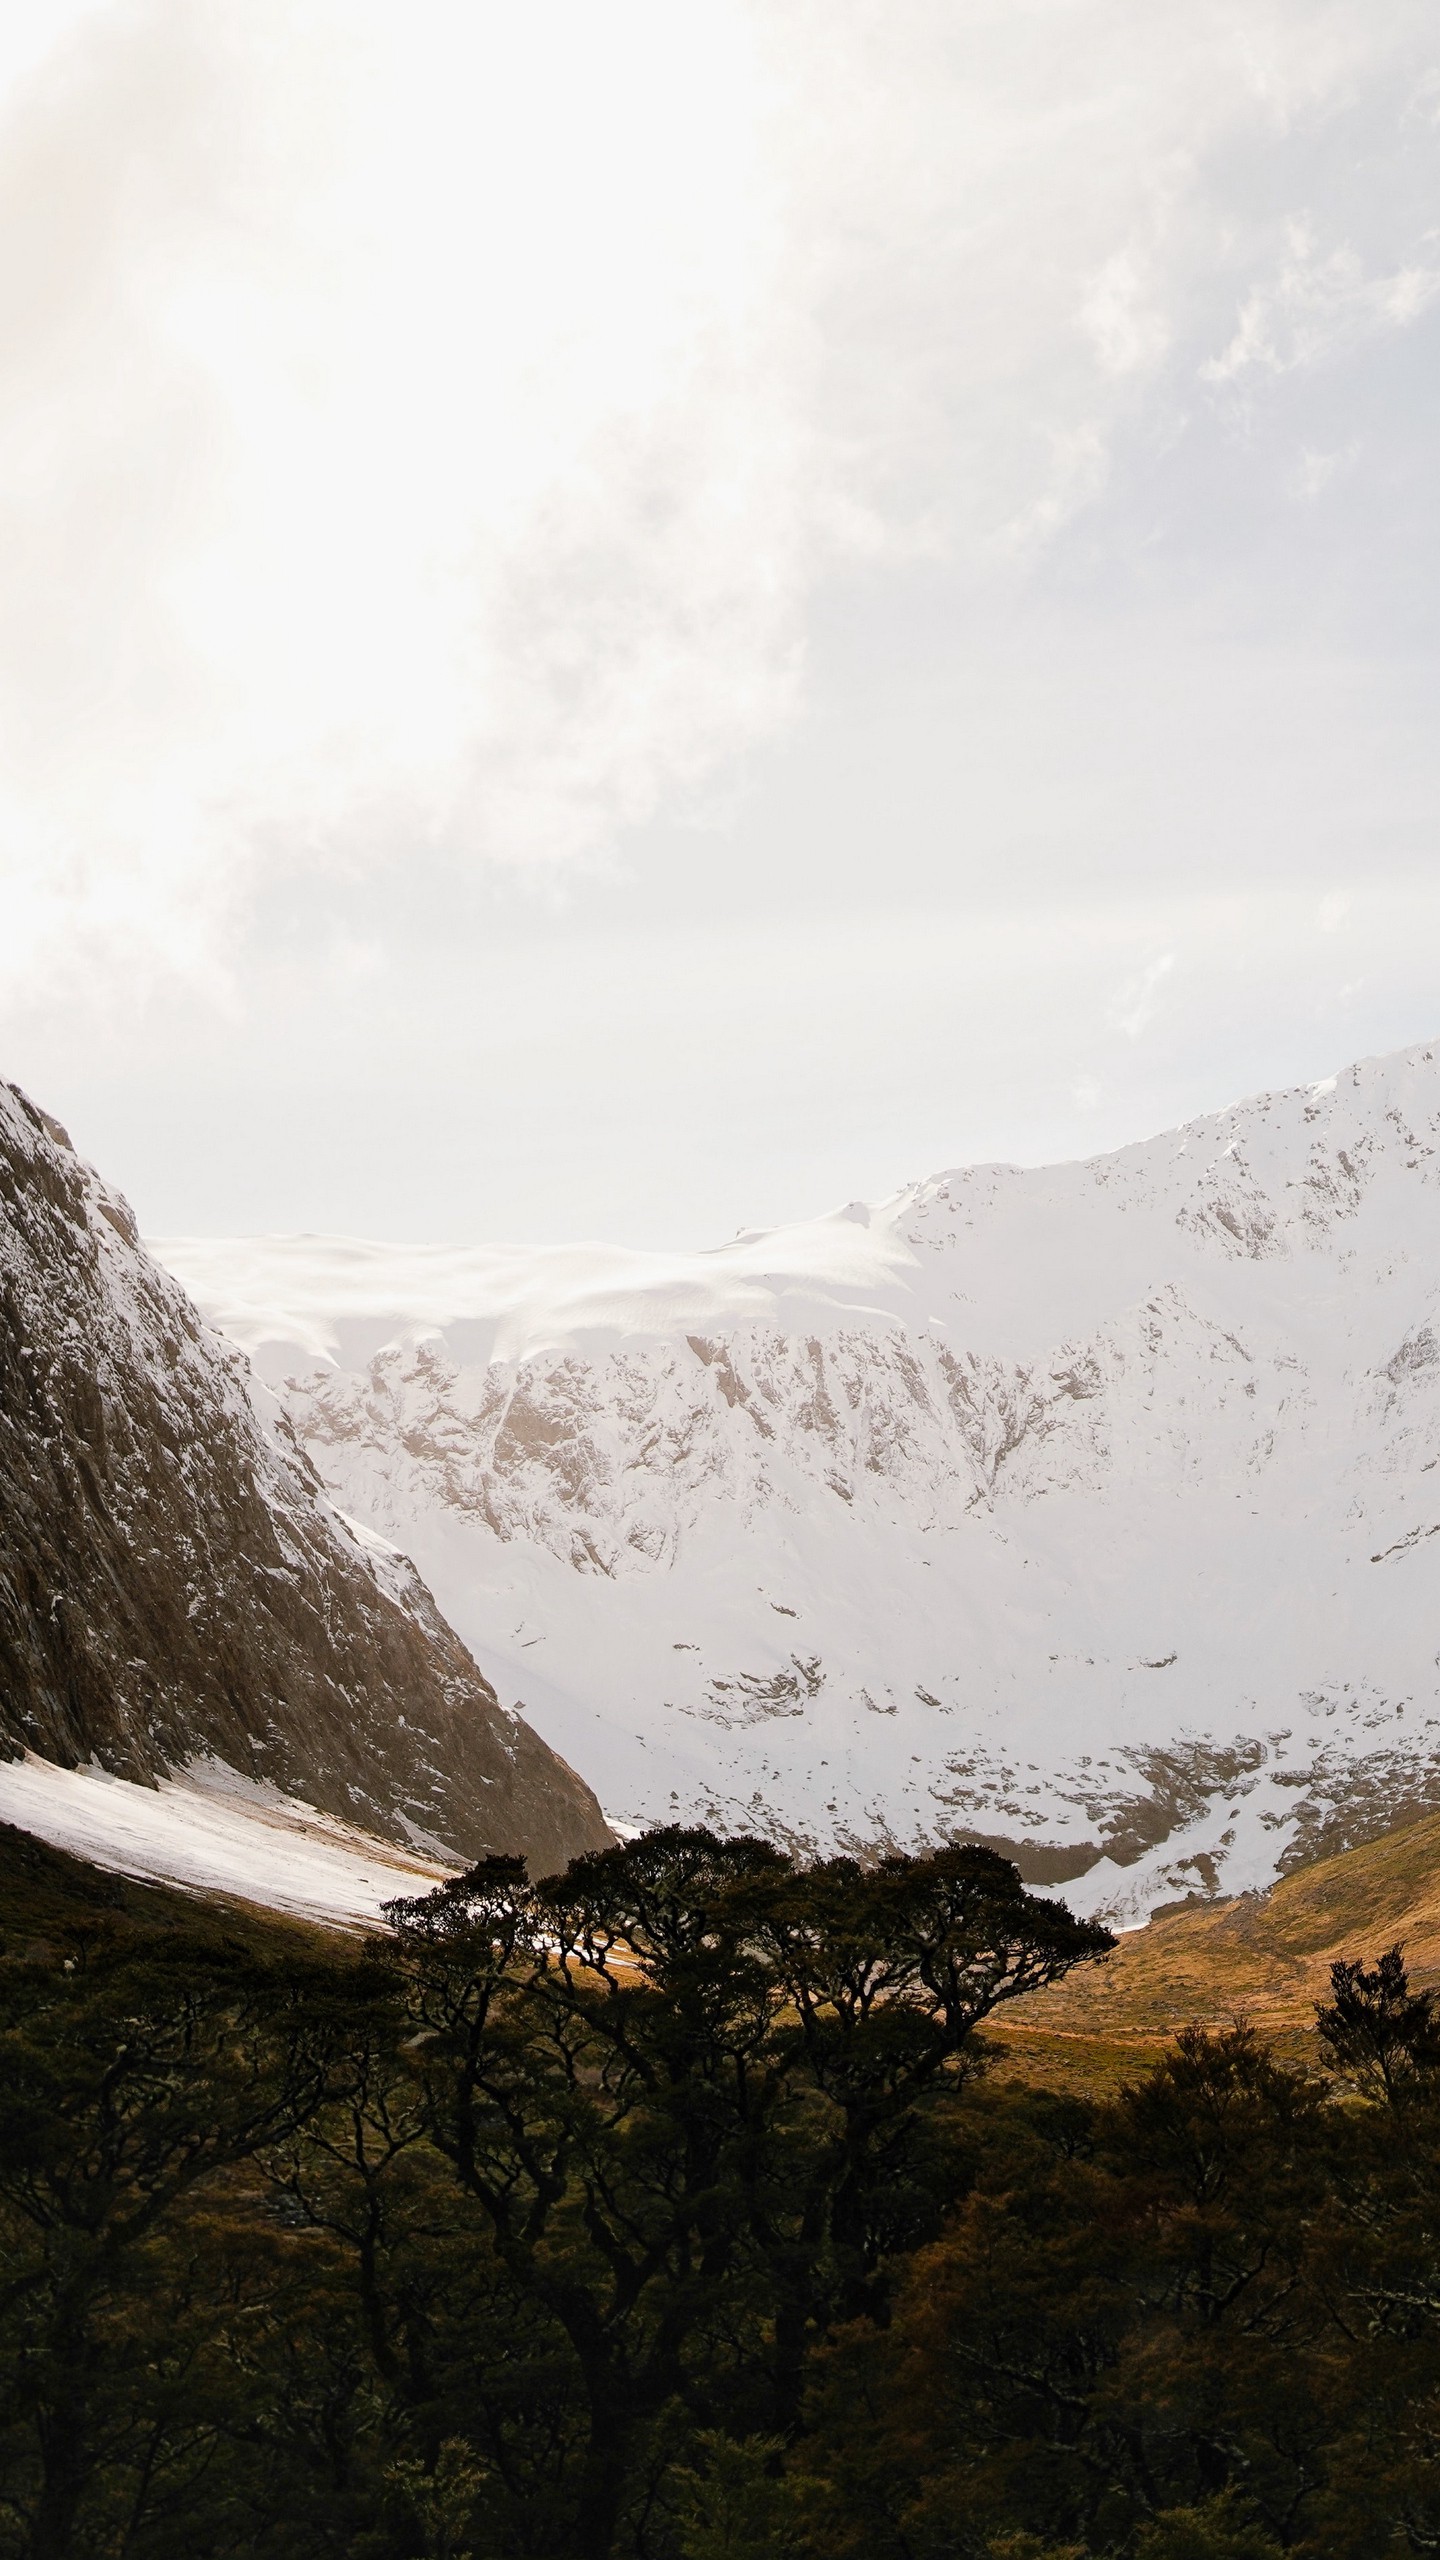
{"x":173,"y":1585}
{"x":1088,"y":1507}
{"x":1266,"y":1957}
{"x":213,"y":1834}
{"x":54,"y":1903}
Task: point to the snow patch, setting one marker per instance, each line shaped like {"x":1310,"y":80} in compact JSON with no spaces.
{"x":214,"y":1831}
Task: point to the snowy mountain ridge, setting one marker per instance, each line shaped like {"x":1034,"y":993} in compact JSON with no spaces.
{"x":1086,"y":1507}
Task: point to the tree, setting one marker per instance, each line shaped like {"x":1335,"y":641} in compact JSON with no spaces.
{"x":1114,"y":2331}
{"x":681,"y":2081}
{"x":129,"y":2076}
{"x":1381,"y":2034}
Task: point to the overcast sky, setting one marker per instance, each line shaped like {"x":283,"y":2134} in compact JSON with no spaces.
{"x":633,"y":617}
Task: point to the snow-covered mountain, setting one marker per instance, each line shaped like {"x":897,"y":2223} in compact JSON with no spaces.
{"x":178,"y":1599}
{"x":1088,"y":1508}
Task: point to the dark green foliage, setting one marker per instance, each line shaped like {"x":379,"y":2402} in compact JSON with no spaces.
{"x":1379,"y":2031}
{"x":694,"y":2099}
{"x":663,"y":2209}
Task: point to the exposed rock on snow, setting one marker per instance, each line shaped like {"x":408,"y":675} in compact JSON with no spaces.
{"x":173,"y":1581}
{"x":1089,"y":1508}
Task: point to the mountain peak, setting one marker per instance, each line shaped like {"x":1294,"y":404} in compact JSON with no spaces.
{"x":1085,"y":1506}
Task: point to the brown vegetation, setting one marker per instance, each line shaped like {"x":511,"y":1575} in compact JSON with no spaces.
{"x":1263,"y":1956}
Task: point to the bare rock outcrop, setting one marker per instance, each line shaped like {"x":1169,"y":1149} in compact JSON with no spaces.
{"x":174,"y":1583}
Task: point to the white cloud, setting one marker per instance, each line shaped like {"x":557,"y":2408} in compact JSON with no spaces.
{"x":1135,"y":1006}
{"x":32,"y":29}
{"x":423,"y":433}
{"x":1119,"y":312}
{"x":1314,"y":304}
{"x":1314,"y":472}
{"x":392,"y":448}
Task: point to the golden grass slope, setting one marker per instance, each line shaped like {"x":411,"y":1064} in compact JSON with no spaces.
{"x":1265,"y":1956}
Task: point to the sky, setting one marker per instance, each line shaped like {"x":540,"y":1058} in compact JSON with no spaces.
{"x":633,"y":620}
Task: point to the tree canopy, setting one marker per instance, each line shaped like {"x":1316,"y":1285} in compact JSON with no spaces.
{"x":668,"y":2209}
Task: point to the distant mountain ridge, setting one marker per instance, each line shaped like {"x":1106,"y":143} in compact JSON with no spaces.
{"x":175,"y":1587}
{"x":1089,"y":1507}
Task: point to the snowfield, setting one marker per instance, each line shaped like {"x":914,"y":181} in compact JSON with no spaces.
{"x":1087,"y":1507}
{"x":214,"y":1832}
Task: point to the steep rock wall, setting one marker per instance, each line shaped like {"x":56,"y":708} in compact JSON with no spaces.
{"x":173,"y":1581}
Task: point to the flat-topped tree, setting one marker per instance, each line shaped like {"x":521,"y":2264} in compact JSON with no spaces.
{"x":685,"y":2084}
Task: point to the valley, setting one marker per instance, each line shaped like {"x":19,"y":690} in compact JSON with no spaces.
{"x":1083,"y":1508}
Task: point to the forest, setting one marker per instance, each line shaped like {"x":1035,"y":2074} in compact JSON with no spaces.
{"x":679,"y":2208}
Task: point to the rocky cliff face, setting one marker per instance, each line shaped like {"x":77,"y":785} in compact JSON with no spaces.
{"x":1094,"y":1507}
{"x":173,"y":1582}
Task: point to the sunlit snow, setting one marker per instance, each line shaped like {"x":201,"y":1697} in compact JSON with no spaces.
{"x":1088,"y":1505}
{"x":213,"y":1832}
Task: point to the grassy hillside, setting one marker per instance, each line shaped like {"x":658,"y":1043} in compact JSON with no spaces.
{"x":1266,"y":1956}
